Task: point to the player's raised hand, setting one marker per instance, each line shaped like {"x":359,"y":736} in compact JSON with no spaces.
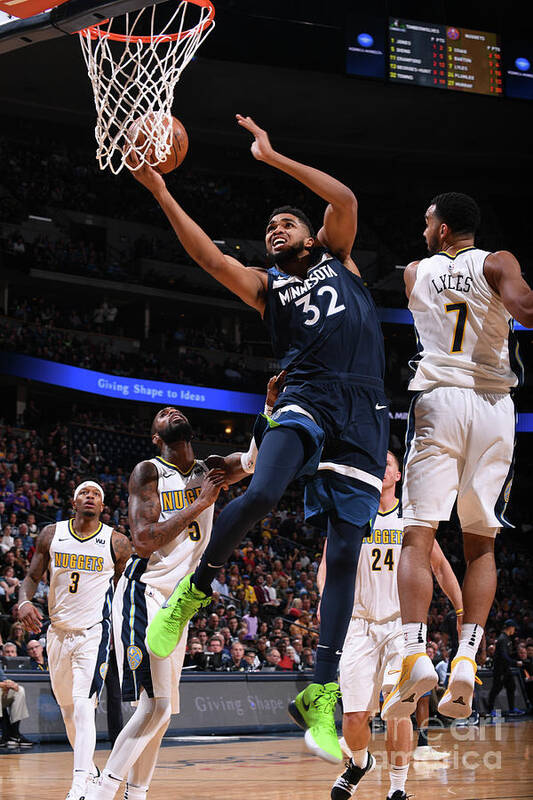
{"x":262,"y":150}
{"x":145,"y":174}
{"x":214,"y":481}
{"x":274,"y":387}
{"x":30,"y":617}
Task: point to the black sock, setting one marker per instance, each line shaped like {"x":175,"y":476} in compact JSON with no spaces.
{"x":422,"y":737}
{"x":342,"y":555}
{"x":281,"y":456}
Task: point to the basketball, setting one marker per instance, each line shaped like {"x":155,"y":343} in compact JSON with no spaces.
{"x":137,"y":134}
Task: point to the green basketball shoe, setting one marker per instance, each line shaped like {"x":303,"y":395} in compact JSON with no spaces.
{"x":166,"y":628}
{"x":314,"y":711}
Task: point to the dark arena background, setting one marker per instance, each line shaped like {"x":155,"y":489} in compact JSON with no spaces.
{"x":104,"y":319}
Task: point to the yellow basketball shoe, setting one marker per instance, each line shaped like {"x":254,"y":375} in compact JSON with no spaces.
{"x":456,"y":702}
{"x":417,"y":677}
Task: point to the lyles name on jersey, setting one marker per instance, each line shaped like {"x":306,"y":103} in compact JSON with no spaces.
{"x":456,"y":282}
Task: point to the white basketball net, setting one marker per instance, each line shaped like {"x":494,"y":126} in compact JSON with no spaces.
{"x":133,"y":81}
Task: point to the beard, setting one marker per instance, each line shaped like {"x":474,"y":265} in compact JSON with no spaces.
{"x":179,"y":432}
{"x":285,"y":256}
{"x":433,"y":246}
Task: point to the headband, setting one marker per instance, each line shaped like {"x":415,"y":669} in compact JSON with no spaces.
{"x":89,"y":483}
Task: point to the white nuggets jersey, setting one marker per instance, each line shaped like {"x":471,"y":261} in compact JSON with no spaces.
{"x":177,"y":490}
{"x":376,"y":587}
{"x":463,"y":329}
{"x":81,"y":577}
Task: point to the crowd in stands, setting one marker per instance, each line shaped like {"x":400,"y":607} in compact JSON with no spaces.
{"x":263,"y":615}
{"x":181,"y":363}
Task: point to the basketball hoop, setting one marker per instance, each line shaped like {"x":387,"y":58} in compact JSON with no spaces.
{"x":133,"y":78}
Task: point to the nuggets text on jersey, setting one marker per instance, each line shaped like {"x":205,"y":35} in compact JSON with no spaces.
{"x":177,"y":499}
{"x":79,"y":562}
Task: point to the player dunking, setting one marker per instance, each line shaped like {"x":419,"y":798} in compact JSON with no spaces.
{"x":372,"y":653}
{"x":171,"y":501}
{"x":330,"y":424}
{"x":84,"y":556}
{"x":460,"y":434}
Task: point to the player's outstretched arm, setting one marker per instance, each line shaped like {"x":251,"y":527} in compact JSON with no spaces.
{"x":30,"y":616}
{"x":340,"y":218}
{"x":504,"y":275}
{"x":122,"y":550}
{"x":446,"y":579}
{"x":247,"y":283}
{"x":147,"y":533}
{"x":240,"y":465}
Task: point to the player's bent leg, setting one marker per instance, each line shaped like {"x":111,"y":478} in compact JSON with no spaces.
{"x":149,"y":722}
{"x":424,"y":750}
{"x":479,"y":588}
{"x":415,"y":587}
{"x":356,"y":735}
{"x":141,"y":773}
{"x":84,"y":745}
{"x":280,"y":458}
{"x":398,"y":742}
{"x":314,"y":708}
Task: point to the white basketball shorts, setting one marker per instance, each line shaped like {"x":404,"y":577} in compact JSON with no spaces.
{"x":134,"y":606}
{"x":371,"y":662}
{"x":77,"y":661}
{"x":459,"y":445}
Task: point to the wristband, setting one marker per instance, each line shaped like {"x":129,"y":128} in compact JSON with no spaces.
{"x":459,"y":611}
{"x":248,"y":459}
{"x":267,"y":410}
{"x":24,"y":601}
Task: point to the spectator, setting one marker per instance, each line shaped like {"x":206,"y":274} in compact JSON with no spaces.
{"x":252,"y":621}
{"x":9,"y":586}
{"x":236,"y":662}
{"x":13,"y":710}
{"x":7,"y":541}
{"x":251,"y":657}
{"x":9,"y":650}
{"x":249,"y":591}
{"x":38,"y":660}
{"x":17,"y":636}
{"x":308,"y":659}
{"x":502,"y":675}
{"x":215,"y":655}
{"x":442,"y":667}
{"x":219,"y":583}
{"x":272,"y":659}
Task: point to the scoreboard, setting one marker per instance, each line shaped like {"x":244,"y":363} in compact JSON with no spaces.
{"x":446,"y":57}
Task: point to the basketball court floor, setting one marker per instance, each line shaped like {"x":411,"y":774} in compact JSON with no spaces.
{"x":488,"y":763}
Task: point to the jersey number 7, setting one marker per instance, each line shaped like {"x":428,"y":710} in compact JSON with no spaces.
{"x":459,"y":331}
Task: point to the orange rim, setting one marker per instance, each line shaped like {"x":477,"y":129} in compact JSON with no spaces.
{"x":95,"y":32}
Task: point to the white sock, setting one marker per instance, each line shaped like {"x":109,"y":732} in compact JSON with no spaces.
{"x":470,"y":640}
{"x":79,"y":781}
{"x":414,"y":636}
{"x":360,"y":757}
{"x":135,"y":792}
{"x":397,"y":776}
{"x":105,"y":789}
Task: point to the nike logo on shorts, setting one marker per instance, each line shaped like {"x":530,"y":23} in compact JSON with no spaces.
{"x":378,"y":407}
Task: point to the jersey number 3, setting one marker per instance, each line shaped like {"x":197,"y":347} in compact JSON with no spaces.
{"x":314,"y":311}
{"x":194,"y":532}
{"x":459,"y":332}
{"x":74,"y":580}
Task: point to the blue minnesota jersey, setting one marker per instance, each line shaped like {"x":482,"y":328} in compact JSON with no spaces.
{"x":324,"y":324}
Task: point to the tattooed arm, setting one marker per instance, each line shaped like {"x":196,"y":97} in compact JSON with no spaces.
{"x":121,"y":548}
{"x":27,"y":613}
{"x":147,"y":533}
